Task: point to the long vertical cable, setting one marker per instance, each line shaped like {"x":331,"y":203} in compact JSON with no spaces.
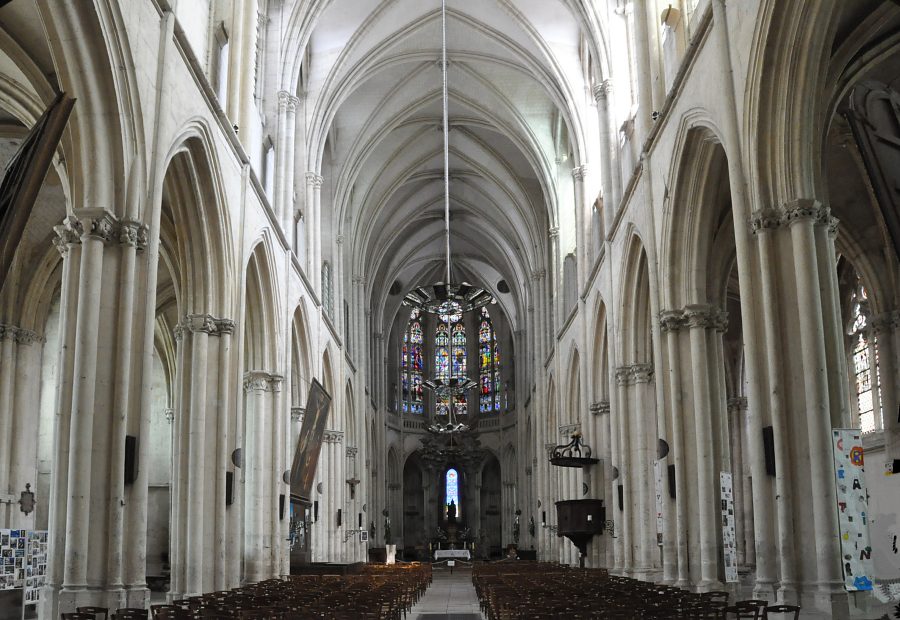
{"x":446,"y":134}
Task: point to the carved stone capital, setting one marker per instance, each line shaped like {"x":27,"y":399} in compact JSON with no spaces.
{"x":804,"y":210}
{"x":333,"y":436}
{"x":600,"y":407}
{"x":133,"y":234}
{"x":580,"y":172}
{"x":548,"y":448}
{"x":623,"y":375}
{"x":538,"y":274}
{"x":567,"y":430}
{"x":602,"y":90}
{"x":553,"y":232}
{"x":642,"y":373}
{"x":352,"y":452}
{"x":261,"y":381}
{"x":671,"y":320}
{"x":314,"y":180}
{"x":297,"y":414}
{"x":19,"y":335}
{"x":224,"y":327}
{"x":287,"y":102}
{"x":98,"y":224}
{"x":765,"y":219}
{"x":198,"y":323}
{"x":170,"y":414}
{"x":68,"y":233}
{"x":700,"y":316}
{"x":736,"y":405}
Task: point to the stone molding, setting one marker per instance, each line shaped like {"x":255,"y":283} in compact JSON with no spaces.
{"x":634,"y":374}
{"x":262,"y":381}
{"x":793,"y":211}
{"x":314,"y":180}
{"x":333,"y":436}
{"x":170,"y":414}
{"x":600,"y":408}
{"x":297,"y":413}
{"x":133,"y":234}
{"x":19,"y":335}
{"x":553,"y":232}
{"x":549,"y":448}
{"x":538,"y":274}
{"x":352,"y":452}
{"x":580,"y":172}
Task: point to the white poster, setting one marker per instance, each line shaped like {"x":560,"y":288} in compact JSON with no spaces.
{"x":729,"y":538}
{"x":853,"y":509}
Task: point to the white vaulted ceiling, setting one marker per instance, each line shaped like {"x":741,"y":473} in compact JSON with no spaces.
{"x":519,"y":101}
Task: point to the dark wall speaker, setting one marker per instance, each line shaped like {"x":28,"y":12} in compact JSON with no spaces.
{"x":359,"y":525}
{"x":229,"y":488}
{"x":769,"y":449}
{"x":131,"y":459}
{"x":281,"y":507}
{"x":621,"y":491}
{"x":896,"y":467}
{"x":316,"y":511}
{"x":543,"y":517}
{"x":339,"y":514}
{"x":671,"y":470}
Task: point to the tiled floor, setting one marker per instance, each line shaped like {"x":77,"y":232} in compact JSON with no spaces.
{"x":450,"y":597}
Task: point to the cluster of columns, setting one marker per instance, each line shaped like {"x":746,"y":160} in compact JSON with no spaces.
{"x":97,"y":524}
{"x":328,"y":534}
{"x":600,"y":550}
{"x":20,"y":364}
{"x":204,"y":436}
{"x":696,"y":431}
{"x":263,"y":463}
{"x":633,"y":438}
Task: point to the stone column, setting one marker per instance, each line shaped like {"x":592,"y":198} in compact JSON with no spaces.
{"x":314,"y":230}
{"x":259,"y":389}
{"x":764,"y":223}
{"x":285,"y":148}
{"x":608,"y":152}
{"x":643,"y":121}
{"x":642,"y":465}
{"x":627,"y":513}
{"x":885,"y":330}
{"x":582,"y":226}
{"x":699,"y":320}
{"x":671,"y":324}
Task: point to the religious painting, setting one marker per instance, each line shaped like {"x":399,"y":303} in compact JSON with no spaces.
{"x":306,"y":457}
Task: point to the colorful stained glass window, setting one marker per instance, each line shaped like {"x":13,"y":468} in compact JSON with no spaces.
{"x":488,"y":366}
{"x":411,"y":366}
{"x":452,"y":490}
{"x":450,"y":359}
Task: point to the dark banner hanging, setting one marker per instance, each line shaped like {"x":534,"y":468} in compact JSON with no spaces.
{"x":303,"y":470}
{"x":24,"y":176}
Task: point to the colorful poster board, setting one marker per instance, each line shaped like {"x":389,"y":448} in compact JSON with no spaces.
{"x":35,"y":565}
{"x":657,"y":473}
{"x":853,"y":509}
{"x":13,"y":545}
{"x":729,"y":537}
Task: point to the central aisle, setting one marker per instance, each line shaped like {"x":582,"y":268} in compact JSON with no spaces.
{"x":449,"y":597}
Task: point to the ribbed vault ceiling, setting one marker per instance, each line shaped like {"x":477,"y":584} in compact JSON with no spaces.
{"x":518,"y":99}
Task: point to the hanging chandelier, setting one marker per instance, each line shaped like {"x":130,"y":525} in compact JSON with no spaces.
{"x":447,"y":298}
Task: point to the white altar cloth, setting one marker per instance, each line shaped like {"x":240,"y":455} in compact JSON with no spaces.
{"x":452,"y":554}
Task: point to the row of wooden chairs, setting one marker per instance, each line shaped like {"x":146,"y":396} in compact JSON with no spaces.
{"x":378,"y":593}
{"x":510,"y":591}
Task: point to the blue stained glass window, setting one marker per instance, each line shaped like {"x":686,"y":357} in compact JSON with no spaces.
{"x":452,"y":484}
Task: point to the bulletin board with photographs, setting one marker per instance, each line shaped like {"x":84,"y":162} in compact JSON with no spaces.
{"x":13,"y":545}
{"x":35,"y":565}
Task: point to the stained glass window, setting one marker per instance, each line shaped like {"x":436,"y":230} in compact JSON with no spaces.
{"x":452,"y":489}
{"x":450,"y":359}
{"x":489,"y":365}
{"x":411,"y":366}
{"x":868,"y":383}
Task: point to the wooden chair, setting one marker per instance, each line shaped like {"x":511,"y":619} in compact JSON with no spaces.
{"x":131,"y":613}
{"x":77,"y":615}
{"x":782,"y":609}
{"x":94,"y":610}
{"x":744,"y":610}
